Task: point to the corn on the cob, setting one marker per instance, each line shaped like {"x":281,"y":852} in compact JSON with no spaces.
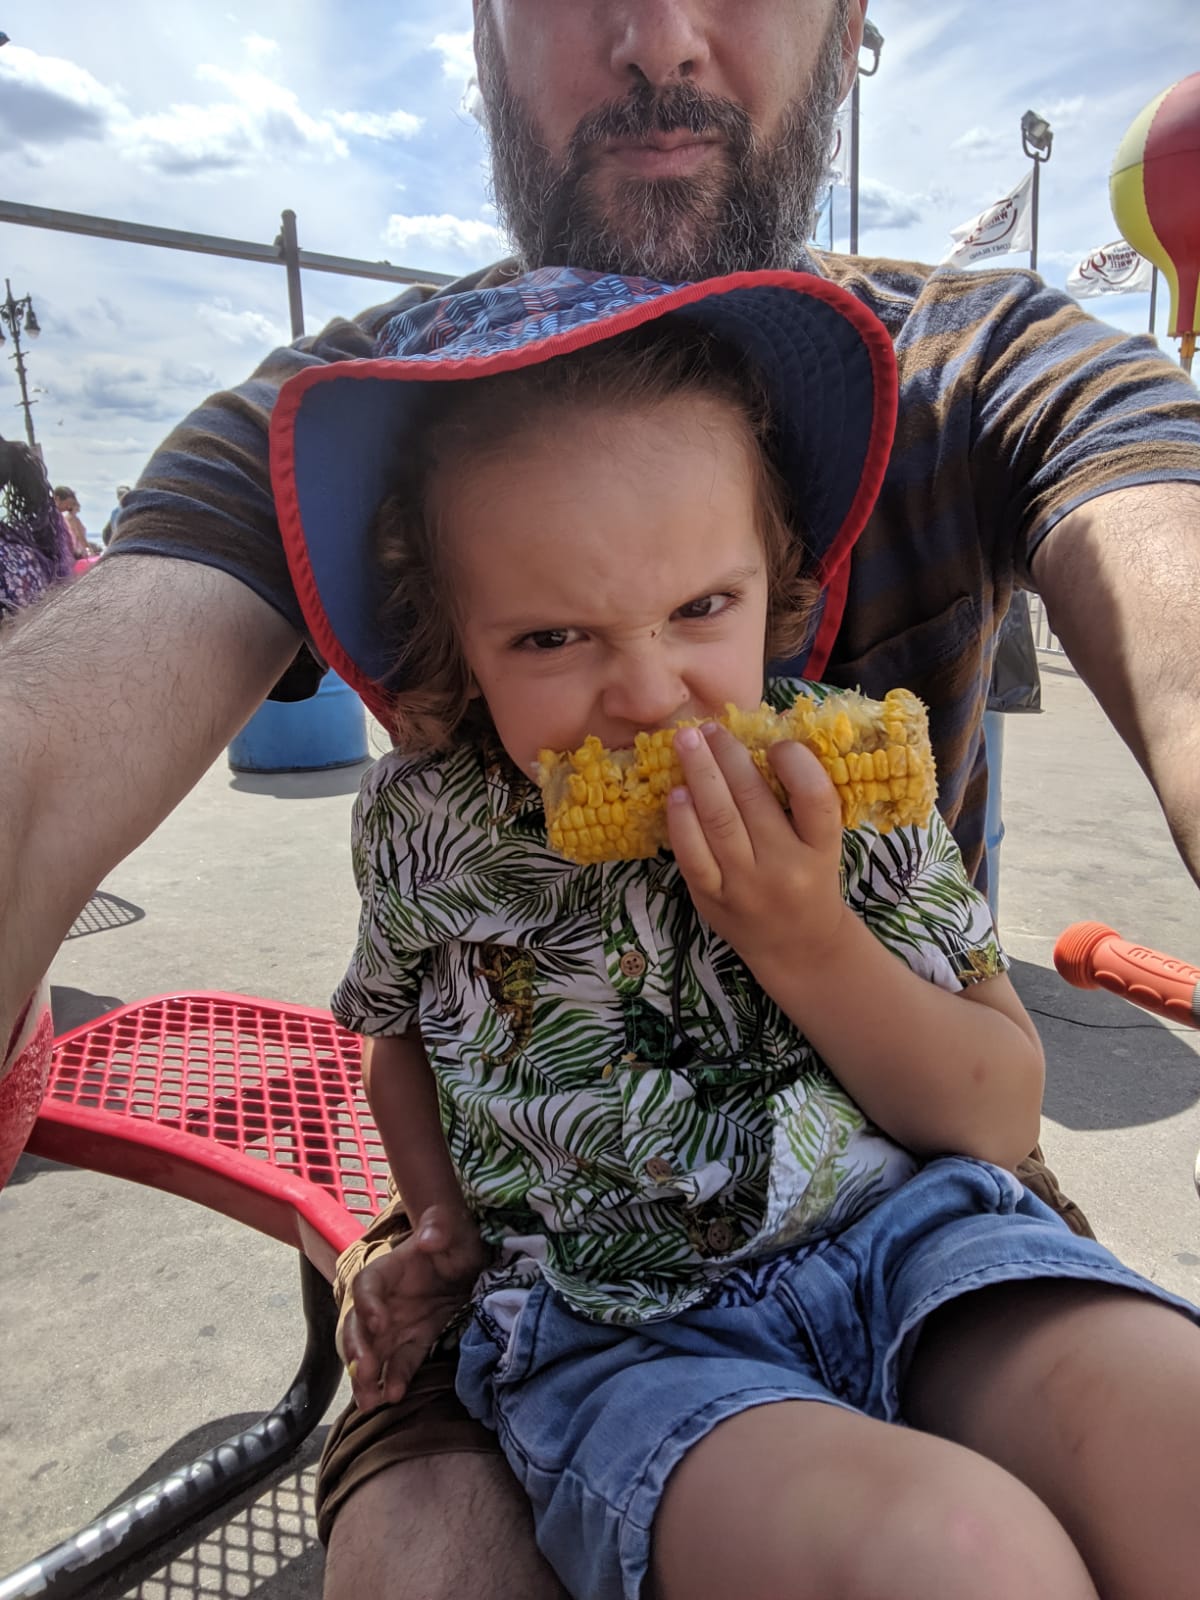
{"x":610,"y":805}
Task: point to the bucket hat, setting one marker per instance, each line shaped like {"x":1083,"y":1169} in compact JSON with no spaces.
{"x":826,"y":362}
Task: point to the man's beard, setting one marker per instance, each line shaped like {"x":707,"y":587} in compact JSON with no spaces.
{"x":753,"y":208}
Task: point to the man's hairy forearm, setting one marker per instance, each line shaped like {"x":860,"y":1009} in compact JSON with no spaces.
{"x":1121,"y":581}
{"x":115,"y":696}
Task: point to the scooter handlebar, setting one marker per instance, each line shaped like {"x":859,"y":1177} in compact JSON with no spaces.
{"x":1091,"y":956}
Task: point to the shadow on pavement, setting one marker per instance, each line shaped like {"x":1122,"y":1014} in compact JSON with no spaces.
{"x":104,"y":911}
{"x":72,"y":1007}
{"x":301,"y":785}
{"x":1108,"y":1065}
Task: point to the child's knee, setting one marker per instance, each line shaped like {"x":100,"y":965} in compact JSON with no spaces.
{"x":971,"y":1529}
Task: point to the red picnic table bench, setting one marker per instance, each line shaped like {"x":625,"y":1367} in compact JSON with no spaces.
{"x":255,"y":1110}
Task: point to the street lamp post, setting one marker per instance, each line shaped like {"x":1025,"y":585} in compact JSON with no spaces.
{"x":1036,"y":141}
{"x":15,"y":314}
{"x":872,"y":40}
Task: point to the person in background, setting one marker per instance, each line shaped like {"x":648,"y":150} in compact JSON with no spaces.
{"x":67,"y":502}
{"x":36,"y":547}
{"x":1035,"y":448}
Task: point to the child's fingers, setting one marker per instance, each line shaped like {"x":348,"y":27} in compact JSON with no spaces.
{"x":689,"y":845}
{"x":399,"y":1371}
{"x":813,"y":801}
{"x":716,"y":804}
{"x":763,"y":817}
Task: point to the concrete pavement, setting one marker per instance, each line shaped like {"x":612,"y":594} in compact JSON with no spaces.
{"x":137,"y":1329}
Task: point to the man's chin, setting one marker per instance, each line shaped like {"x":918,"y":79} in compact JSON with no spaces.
{"x":647,"y":243}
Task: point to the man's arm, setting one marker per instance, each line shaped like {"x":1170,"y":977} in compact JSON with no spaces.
{"x":124,"y":687}
{"x":1120,"y":577}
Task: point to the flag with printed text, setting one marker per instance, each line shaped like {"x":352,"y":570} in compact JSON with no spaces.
{"x":1115,"y":268}
{"x":1003,"y":229}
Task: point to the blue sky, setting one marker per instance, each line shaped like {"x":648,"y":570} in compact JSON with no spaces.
{"x":214,"y":121}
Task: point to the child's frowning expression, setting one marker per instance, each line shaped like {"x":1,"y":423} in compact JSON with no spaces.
{"x":609,"y":574}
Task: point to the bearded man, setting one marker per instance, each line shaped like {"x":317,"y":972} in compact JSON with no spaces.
{"x":678,"y":139}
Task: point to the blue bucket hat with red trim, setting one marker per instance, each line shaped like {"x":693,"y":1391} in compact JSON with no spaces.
{"x":825,"y":359}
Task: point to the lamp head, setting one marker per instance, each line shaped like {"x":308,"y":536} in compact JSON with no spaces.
{"x":32,"y":326}
{"x":1036,"y":136}
{"x":872,"y":40}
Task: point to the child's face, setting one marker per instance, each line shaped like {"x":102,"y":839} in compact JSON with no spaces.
{"x":610,"y":575}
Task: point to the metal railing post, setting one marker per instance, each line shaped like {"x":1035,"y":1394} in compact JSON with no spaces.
{"x":290,"y":250}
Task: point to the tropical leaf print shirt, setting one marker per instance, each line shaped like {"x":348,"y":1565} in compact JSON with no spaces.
{"x":628,"y":1113}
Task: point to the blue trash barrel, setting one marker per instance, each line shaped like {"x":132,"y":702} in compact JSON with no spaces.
{"x":993,"y":733}
{"x":328,"y":730}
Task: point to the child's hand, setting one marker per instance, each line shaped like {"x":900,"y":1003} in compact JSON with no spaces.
{"x":404,"y":1300}
{"x":766,"y":882}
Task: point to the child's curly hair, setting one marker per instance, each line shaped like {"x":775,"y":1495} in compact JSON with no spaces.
{"x":434,"y":706}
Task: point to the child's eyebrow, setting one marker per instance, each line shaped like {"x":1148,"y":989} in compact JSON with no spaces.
{"x":574,"y":616}
{"x":544,"y":622}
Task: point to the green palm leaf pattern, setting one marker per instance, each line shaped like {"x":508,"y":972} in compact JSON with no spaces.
{"x":628,"y":1130}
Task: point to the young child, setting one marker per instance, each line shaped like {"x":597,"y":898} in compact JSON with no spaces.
{"x":709,"y":1155}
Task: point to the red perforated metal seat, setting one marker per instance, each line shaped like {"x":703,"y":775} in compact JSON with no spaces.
{"x":250,"y":1108}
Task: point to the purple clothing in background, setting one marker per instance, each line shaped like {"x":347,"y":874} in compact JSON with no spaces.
{"x":36,"y":549}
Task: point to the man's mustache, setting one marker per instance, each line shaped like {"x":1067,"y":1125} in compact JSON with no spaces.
{"x":678,"y":108}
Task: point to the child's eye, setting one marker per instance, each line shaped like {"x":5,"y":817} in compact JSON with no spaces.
{"x":708,"y":605}
{"x":546,"y":639}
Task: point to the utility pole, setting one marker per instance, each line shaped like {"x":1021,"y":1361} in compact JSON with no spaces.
{"x":15,"y":314}
{"x":1036,"y":141}
{"x":872,"y":41}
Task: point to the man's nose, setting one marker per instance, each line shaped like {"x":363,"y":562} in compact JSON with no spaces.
{"x":660,"y":41}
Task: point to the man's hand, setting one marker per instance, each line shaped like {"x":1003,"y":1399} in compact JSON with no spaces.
{"x":764,"y":880}
{"x":404,"y":1300}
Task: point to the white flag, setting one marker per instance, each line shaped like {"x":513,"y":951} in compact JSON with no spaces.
{"x":838,"y":169}
{"x":1001,"y":230}
{"x":471,"y":103}
{"x":1115,"y":269}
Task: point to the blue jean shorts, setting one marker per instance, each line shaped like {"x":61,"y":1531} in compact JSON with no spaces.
{"x":594,"y":1418}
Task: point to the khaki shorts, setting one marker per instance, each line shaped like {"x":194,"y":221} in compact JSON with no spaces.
{"x":431,"y":1420}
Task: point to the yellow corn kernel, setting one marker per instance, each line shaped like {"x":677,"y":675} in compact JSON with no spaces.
{"x":610,"y":805}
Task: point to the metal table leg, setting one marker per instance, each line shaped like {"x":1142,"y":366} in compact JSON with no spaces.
{"x":184,"y":1497}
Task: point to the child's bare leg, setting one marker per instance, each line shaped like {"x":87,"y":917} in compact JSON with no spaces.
{"x":805,"y":1501}
{"x":1091,"y":1396}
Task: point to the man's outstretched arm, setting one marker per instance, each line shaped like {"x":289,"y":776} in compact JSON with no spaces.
{"x":1120,"y":577}
{"x":122,"y":688}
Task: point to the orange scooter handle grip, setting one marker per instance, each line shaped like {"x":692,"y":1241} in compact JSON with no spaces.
{"x":1091,"y":956}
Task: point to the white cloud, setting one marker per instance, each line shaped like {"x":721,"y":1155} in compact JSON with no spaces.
{"x":881,"y":206}
{"x":258,"y":48}
{"x":249,"y":328}
{"x":458,"y":54}
{"x":985,"y":142}
{"x":47,"y":100}
{"x":471,"y":237}
{"x":378,"y":124}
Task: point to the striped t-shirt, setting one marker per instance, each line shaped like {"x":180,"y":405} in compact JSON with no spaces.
{"x":1015,"y":408}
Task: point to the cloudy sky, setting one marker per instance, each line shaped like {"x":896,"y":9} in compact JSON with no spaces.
{"x":213,"y":120}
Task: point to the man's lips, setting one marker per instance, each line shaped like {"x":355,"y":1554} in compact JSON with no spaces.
{"x":663,"y":155}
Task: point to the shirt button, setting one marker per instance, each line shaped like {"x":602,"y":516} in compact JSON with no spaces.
{"x":720,"y":1237}
{"x":659,"y":1170}
{"x":633,"y":964}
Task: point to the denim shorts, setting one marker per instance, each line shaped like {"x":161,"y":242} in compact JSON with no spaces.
{"x":594,"y":1418}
